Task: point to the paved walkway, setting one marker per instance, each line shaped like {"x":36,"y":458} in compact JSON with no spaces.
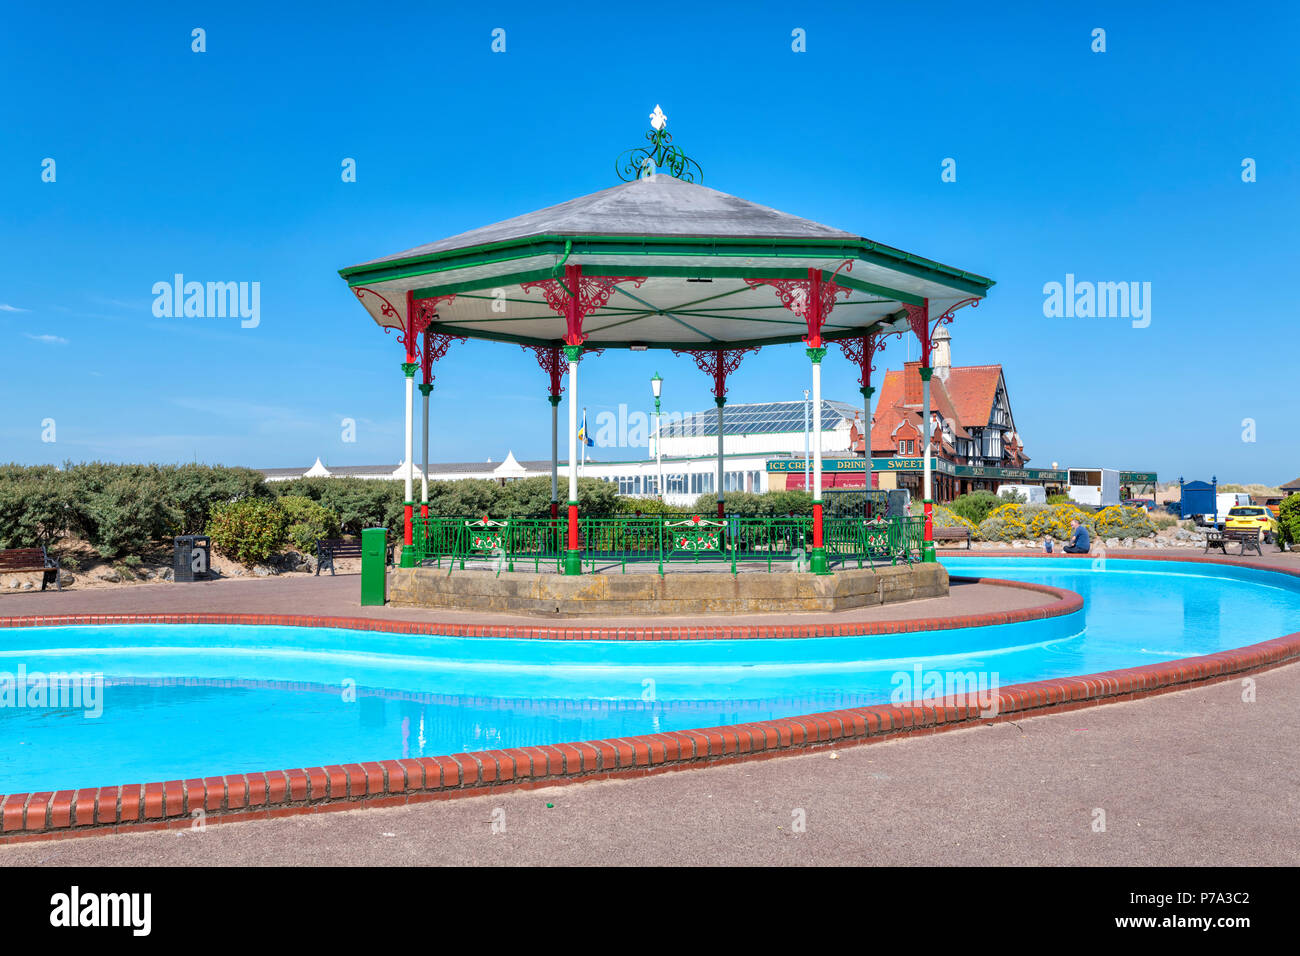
{"x":1193,"y":778}
{"x":341,"y":595}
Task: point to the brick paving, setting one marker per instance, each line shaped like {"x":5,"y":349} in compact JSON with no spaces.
{"x":340,"y":597}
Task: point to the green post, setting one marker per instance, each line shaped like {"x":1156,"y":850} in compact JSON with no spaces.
{"x":374,"y":575}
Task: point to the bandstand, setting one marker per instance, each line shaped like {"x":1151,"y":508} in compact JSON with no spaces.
{"x":658,"y":261}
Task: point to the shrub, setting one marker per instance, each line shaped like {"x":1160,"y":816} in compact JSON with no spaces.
{"x":33,"y":506}
{"x":1121,"y":521}
{"x":1054,"y":521}
{"x":1059,"y":500}
{"x":1015,"y":497}
{"x":1004,"y":523}
{"x":118,"y":508}
{"x":307,"y":521}
{"x":249,"y":531}
{"x":358,"y":502}
{"x":778,"y":504}
{"x":976,"y":505}
{"x":1288,"y":519}
{"x":945,"y":518}
{"x":193,"y":490}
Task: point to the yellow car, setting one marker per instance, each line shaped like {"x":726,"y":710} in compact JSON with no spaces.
{"x":1256,"y":517}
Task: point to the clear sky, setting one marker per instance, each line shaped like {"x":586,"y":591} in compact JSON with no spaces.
{"x":1123,"y":165}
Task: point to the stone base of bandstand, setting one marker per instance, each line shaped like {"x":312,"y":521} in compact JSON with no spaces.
{"x":674,"y":593}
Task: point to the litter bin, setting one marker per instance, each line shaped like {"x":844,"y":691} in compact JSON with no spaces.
{"x":374,"y":571}
{"x":191,"y":559}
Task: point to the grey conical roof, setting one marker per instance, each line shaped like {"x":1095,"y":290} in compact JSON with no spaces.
{"x":658,"y":205}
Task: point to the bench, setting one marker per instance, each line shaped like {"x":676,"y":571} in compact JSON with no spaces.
{"x":1249,"y":538}
{"x":327,"y":549}
{"x":29,"y":561}
{"x":953,"y":534}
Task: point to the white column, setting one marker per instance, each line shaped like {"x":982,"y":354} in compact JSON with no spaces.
{"x":817,"y":430}
{"x":573,"y":431}
{"x":925,"y":423}
{"x":659,"y":461}
{"x":719,"y":455}
{"x":555,"y":451}
{"x":410,"y":438}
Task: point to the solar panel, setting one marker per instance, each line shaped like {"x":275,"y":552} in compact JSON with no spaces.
{"x":757,"y":418}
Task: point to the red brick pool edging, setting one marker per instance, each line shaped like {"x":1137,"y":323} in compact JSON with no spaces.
{"x":1067,"y":602}
{"x":259,"y":796}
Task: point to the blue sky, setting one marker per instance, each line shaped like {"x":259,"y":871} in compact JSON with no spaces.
{"x":225,"y":165}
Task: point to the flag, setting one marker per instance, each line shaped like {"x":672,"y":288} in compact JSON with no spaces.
{"x":582,"y":431}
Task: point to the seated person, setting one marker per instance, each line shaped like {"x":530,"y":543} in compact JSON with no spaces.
{"x":1079,"y":541}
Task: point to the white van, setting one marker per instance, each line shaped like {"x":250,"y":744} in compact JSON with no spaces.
{"x":1033,"y":494}
{"x":1098,"y":487}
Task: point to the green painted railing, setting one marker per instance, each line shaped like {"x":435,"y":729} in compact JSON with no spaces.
{"x":538,"y":544}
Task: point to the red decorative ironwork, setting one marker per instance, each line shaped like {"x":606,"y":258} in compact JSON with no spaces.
{"x":811,"y":299}
{"x":553,"y":363}
{"x":435,"y":347}
{"x":387,"y":309}
{"x":861,"y":351}
{"x":918,"y":316}
{"x":717,"y":364}
{"x":592,"y":293}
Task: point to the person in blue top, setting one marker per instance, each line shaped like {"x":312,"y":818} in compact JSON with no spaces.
{"x":1079,"y":542}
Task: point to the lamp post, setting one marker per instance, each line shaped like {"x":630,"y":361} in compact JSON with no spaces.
{"x":657,"y":387}
{"x":806,"y":486}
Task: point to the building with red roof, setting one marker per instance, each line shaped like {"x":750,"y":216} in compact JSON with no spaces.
{"x":972,"y":424}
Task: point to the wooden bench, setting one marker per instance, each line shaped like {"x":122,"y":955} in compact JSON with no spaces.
{"x":327,"y":549}
{"x":29,"y":561}
{"x":1249,"y":538}
{"x":953,"y":534}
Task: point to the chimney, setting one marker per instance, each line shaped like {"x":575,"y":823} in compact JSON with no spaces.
{"x":912,"y":383}
{"x":941,"y":354}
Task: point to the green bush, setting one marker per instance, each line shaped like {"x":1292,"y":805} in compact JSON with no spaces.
{"x":944,"y":517}
{"x":976,"y":505}
{"x":1013,"y":497}
{"x":1288,"y":520}
{"x":307,"y":522}
{"x":359,"y":502}
{"x":33,"y":506}
{"x":1059,"y":500}
{"x":250,"y":531}
{"x":119,"y":509}
{"x":1121,"y":521}
{"x":193,"y":490}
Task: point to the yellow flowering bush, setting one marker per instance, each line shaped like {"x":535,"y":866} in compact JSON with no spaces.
{"x":1054,"y":521}
{"x":1119,"y":521}
{"x":947,"y":518}
{"x":1004,"y":523}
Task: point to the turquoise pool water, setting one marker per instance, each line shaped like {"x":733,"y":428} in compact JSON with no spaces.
{"x":182,"y":701}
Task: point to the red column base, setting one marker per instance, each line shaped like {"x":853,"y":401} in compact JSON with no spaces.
{"x":409,"y":511}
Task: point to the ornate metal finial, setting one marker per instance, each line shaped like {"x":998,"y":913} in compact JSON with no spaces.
{"x":659,"y":156}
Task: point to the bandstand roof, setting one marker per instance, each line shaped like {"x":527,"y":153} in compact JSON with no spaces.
{"x":694,"y":245}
